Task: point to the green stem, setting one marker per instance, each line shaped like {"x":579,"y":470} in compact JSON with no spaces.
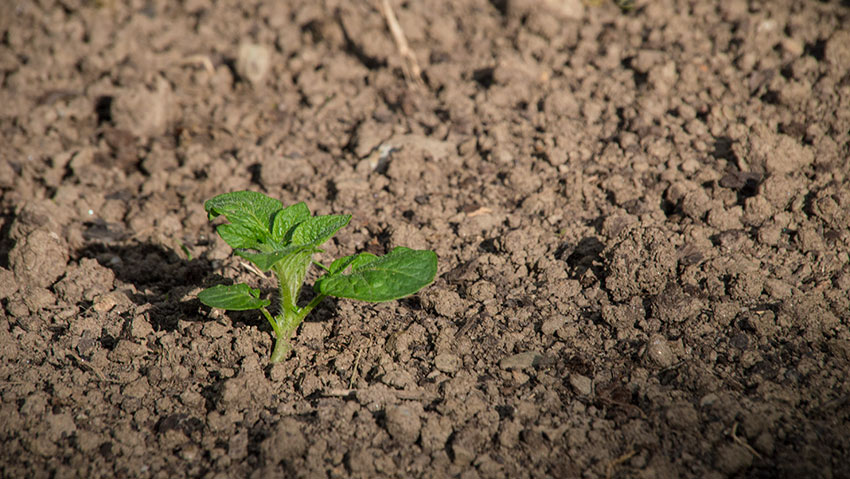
{"x":271,"y":320}
{"x":287,"y":322}
{"x":282,"y":347}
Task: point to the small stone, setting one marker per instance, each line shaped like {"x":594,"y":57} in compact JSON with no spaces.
{"x":140,"y":327}
{"x":38,"y":298}
{"x":103,"y":303}
{"x":17,"y":308}
{"x":39,"y":259}
{"x":114,"y":299}
{"x":253,"y":62}
{"x":582,"y":384}
{"x":552,"y":324}
{"x":191,"y":398}
{"x":520,"y":361}
{"x":658,"y":350}
{"x":447,"y":363}
{"x":403,"y":423}
{"x":189,"y":452}
{"x":708,"y":400}
{"x":8,"y":285}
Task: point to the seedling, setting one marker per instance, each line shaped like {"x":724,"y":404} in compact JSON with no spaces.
{"x":283,"y":241}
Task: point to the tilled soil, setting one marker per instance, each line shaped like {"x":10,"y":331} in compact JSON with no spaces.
{"x":642,"y":218}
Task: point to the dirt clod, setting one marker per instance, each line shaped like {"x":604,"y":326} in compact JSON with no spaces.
{"x":39,"y":258}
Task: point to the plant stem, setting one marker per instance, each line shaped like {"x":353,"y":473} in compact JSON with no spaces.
{"x":282,"y":347}
{"x":287,"y":322}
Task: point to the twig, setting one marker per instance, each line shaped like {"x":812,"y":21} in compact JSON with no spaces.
{"x":609,"y":468}
{"x":743,"y":443}
{"x":201,"y":60}
{"x":85,"y":365}
{"x":250,"y":267}
{"x":412,"y":70}
{"x":356,"y":368}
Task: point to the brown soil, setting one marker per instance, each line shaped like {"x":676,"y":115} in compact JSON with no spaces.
{"x":642,"y":218}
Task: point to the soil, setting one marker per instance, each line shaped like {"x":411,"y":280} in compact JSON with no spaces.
{"x":642,"y":218}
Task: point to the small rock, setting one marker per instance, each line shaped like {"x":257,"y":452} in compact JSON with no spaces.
{"x":582,"y":384}
{"x":708,"y":400}
{"x":520,"y":361}
{"x":39,"y":259}
{"x":141,"y":111}
{"x":17,"y":308}
{"x":8,"y":285}
{"x":253,"y":62}
{"x":447,"y":363}
{"x":403,"y":423}
{"x":38,"y":298}
{"x":104,"y":303}
{"x":552,"y":324}
{"x":658,"y":350}
{"x":140,"y":327}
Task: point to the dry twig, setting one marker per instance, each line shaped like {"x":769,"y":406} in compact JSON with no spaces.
{"x":412,"y":70}
{"x":356,"y":368}
{"x":202,"y":60}
{"x":743,"y":443}
{"x":609,"y":468}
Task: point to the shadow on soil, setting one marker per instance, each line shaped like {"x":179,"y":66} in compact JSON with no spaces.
{"x":160,"y":277}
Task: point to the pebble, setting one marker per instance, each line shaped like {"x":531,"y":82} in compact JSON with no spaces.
{"x":253,"y":62}
{"x":659,"y":351}
{"x":403,"y":423}
{"x":520,"y":361}
{"x":582,"y":384}
{"x":447,"y":363}
{"x":140,"y":327}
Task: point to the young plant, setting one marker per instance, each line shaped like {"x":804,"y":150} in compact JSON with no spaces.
{"x":284,"y":241}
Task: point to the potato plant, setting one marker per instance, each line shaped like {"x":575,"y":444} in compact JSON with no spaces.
{"x":283,"y":240}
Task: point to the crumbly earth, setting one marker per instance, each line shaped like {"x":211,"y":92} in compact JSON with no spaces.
{"x":642,"y":219}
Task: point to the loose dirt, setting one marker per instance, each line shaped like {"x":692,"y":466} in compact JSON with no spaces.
{"x":642,"y":218}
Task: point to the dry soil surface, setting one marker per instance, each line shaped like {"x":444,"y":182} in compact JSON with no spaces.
{"x":641,"y":217}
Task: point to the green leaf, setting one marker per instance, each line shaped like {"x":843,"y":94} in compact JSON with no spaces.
{"x":339,"y":265}
{"x":400,"y":273}
{"x":235,"y":297}
{"x":237,"y":236}
{"x":250,"y":214}
{"x":287,"y":218}
{"x":318,"y":229}
{"x":292,"y":270}
{"x":266,"y":259}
